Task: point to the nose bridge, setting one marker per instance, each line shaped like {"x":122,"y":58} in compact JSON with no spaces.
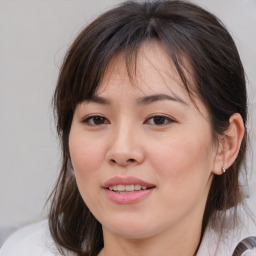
{"x":124,"y":148}
{"x":123,"y":134}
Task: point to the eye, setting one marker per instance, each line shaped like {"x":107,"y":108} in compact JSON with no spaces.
{"x":95,"y":120}
{"x":159,"y":120}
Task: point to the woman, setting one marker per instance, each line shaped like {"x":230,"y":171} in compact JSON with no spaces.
{"x":151,"y":110}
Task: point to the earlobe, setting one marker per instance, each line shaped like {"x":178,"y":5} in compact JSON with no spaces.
{"x":219,"y":159}
{"x":229,"y":144}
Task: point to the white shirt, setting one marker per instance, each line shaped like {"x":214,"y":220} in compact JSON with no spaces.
{"x":32,"y":240}
{"x":35,"y":240}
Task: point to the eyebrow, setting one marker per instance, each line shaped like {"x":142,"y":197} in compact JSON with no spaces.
{"x":98,"y":99}
{"x":159,"y":97}
{"x":141,"y":101}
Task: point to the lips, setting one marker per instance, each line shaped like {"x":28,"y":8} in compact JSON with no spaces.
{"x":127,"y":181}
{"x":127,"y":190}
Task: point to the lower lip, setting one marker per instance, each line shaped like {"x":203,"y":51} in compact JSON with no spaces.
{"x":129,"y":197}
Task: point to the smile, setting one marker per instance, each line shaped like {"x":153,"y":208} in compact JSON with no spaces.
{"x":127,"y":188}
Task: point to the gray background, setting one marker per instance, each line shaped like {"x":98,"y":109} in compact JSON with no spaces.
{"x":34,"y":36}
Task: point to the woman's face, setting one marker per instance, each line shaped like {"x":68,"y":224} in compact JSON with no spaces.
{"x":143,"y":155}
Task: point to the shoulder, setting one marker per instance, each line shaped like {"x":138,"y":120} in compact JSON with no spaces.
{"x":213,"y":244}
{"x":31,"y":240}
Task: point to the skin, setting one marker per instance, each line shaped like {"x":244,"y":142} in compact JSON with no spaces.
{"x":175,"y":152}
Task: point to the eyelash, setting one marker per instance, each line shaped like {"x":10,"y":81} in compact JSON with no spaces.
{"x":94,"y":118}
{"x":156,"y":118}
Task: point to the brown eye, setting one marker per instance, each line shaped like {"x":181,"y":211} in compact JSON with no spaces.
{"x":95,"y":120}
{"x":159,"y":120}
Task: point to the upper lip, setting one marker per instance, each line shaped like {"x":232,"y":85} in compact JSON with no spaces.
{"x":126,"y":181}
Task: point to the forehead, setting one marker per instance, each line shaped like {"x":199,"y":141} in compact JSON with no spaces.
{"x":152,"y":71}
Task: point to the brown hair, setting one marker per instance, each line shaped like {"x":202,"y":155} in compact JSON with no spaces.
{"x":185,"y":30}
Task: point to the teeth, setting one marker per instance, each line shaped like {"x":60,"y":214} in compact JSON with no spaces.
{"x":137,"y":187}
{"x":127,"y":188}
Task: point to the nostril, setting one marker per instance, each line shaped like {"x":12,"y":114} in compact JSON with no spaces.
{"x":121,"y":162}
{"x":112,"y":161}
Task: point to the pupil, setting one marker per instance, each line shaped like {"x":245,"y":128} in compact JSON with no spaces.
{"x":159,"y":119}
{"x":98,"y":120}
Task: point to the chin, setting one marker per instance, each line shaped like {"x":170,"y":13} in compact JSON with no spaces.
{"x":135,"y":234}
{"x":131,"y":229}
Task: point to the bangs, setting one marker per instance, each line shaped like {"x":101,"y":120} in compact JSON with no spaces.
{"x":91,"y":53}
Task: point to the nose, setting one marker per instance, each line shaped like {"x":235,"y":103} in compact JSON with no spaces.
{"x":125,"y":147}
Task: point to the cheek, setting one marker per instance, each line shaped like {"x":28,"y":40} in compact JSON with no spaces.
{"x":183,"y":173}
{"x":182,"y":165}
{"x":182,"y":155}
{"x":85,"y":155}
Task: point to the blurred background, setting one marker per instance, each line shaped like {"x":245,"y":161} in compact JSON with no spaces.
{"x":34,"y":36}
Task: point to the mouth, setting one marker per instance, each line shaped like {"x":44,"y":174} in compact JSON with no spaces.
{"x":126,"y":184}
{"x":128,"y":188}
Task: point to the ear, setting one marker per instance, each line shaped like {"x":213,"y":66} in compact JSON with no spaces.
{"x":229,"y":144}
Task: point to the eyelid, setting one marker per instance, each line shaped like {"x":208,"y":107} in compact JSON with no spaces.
{"x":168,"y":118}
{"x":86,"y":120}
